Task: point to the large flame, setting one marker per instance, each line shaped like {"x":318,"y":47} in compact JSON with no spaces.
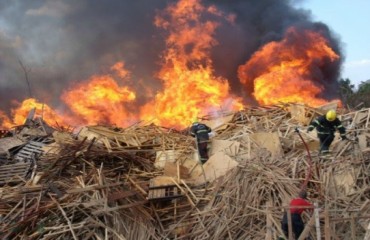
{"x":100,"y":100}
{"x":20,"y":113}
{"x":283,"y":71}
{"x":190,"y":87}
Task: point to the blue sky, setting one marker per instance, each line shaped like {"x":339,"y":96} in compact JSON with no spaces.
{"x":351,"y":21}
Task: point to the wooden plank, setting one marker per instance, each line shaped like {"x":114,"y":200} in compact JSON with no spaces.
{"x":317,"y":220}
{"x":32,"y":147}
{"x":10,"y":173}
{"x":328,"y":106}
{"x":13,"y":176}
{"x":216,"y":166}
{"x":268,"y":222}
{"x":367,"y":235}
{"x":231,"y":148}
{"x":270,"y":141}
{"x":353,"y":227}
{"x":114,"y":196}
{"x":290,"y":227}
{"x":306,"y":231}
{"x":13,"y":172}
{"x":9,"y":142}
{"x":175,"y":170}
{"x":14,"y":166}
{"x":163,"y":157}
{"x":93,"y":187}
{"x":65,"y":217}
{"x":113,"y":209}
{"x":136,"y":186}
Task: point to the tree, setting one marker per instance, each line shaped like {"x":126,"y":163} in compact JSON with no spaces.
{"x":364,"y":87}
{"x":346,"y":87}
{"x":363,"y":93}
{"x":352,"y":98}
{"x":346,"y":90}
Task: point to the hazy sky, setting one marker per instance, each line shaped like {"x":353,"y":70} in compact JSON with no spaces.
{"x":350,"y":20}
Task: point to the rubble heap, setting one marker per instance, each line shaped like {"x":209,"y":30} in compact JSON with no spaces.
{"x":145,"y":181}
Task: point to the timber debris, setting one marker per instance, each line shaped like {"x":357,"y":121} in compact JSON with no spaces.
{"x":146,"y":182}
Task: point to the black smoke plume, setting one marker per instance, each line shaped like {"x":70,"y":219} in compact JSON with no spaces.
{"x":61,"y":42}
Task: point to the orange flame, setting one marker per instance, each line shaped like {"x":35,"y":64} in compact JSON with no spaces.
{"x":282,"y":70}
{"x":98,"y":100}
{"x":279,"y":72}
{"x":102,"y":100}
{"x":5,"y":122}
{"x":190,"y":87}
{"x":20,"y":114}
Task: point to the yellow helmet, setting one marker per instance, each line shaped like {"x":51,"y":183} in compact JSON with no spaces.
{"x":331,"y":115}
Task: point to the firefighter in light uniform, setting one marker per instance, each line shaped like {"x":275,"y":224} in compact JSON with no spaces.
{"x":326,"y":126}
{"x":200,"y":131}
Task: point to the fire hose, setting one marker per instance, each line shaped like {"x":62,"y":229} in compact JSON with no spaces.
{"x":310,"y":164}
{"x":308,"y":175}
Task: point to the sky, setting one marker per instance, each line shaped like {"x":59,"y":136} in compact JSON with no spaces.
{"x":350,"y":20}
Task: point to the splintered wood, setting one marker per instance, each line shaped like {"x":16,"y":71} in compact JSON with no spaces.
{"x":146,"y":182}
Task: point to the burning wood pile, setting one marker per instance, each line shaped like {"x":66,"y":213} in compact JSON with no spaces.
{"x":145,"y":181}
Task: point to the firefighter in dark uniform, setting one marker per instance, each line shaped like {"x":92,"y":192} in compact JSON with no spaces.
{"x":297,"y":207}
{"x":326,"y":126}
{"x":200,"y":131}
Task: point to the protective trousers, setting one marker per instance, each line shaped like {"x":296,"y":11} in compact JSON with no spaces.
{"x":203,"y":151}
{"x":325,"y":141}
{"x":297,"y":225}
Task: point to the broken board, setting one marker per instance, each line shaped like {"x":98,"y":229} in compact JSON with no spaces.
{"x":13,"y":173}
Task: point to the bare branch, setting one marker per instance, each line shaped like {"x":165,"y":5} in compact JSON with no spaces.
{"x":26,"y":71}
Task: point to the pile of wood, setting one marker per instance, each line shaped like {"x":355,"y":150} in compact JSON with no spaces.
{"x":145,"y":181}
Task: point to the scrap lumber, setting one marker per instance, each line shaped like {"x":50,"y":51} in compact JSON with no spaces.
{"x":14,"y":173}
{"x":31,"y":149}
{"x":8,"y":143}
{"x":145,"y":182}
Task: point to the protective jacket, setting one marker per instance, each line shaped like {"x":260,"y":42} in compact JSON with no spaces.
{"x":201,"y":131}
{"x":323,"y":126}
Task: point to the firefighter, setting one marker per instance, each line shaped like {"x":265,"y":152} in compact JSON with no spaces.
{"x":297,"y":206}
{"x":200,"y":131}
{"x":326,"y":126}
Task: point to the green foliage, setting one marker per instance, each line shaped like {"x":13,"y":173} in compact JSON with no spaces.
{"x":363,"y":94}
{"x":352,"y":98}
{"x":346,"y":88}
{"x":364,"y":88}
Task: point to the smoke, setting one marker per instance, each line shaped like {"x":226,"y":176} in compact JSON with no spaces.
{"x":258,"y":22}
{"x":66,"y":41}
{"x":62,"y":42}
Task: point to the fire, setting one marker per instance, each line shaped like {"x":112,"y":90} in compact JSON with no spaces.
{"x":98,"y":100}
{"x":283,"y":71}
{"x":190,"y":87}
{"x":5,"y":122}
{"x":102,"y":100}
{"x":20,"y":114}
{"x":119,"y":68}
